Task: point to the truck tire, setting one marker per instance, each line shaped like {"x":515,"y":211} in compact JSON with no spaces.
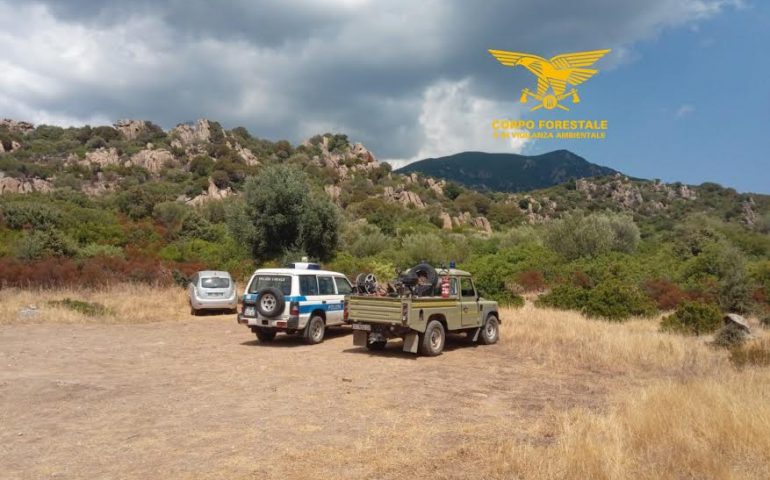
{"x":426,"y":270}
{"x":314,"y":330}
{"x":265,"y":334}
{"x":433,"y":340}
{"x":270,"y":302}
{"x":490,"y":331}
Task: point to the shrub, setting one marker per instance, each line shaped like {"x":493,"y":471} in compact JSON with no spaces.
{"x":565,"y":297}
{"x":755,"y":353}
{"x":91,"y":309}
{"x":422,"y":246}
{"x":610,"y":300}
{"x":693,"y":318}
{"x":613,"y":300}
{"x":370,"y":244}
{"x":765,"y":320}
{"x":96,"y":249}
{"x":730,"y":336}
{"x":666,"y":294}
{"x":531,"y":280}
{"x":576,"y":235}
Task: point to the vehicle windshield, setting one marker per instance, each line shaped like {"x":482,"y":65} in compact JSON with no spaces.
{"x":281,"y":282}
{"x":215,"y":282}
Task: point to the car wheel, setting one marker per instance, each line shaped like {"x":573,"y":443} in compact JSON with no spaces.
{"x":314,"y":330}
{"x":377,"y":346}
{"x":490,"y":331}
{"x":265,"y":334}
{"x":432,"y":341}
{"x":193,"y":311}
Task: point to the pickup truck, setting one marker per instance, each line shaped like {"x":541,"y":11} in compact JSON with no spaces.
{"x":424,"y":320}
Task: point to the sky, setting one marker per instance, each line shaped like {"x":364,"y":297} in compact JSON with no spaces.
{"x":684,"y":89}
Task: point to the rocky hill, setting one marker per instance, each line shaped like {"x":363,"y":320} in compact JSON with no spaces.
{"x":195,"y":163}
{"x":509,"y":172}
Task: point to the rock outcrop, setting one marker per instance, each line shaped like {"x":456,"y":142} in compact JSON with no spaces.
{"x":102,"y":157}
{"x":15,"y":185}
{"x":212,"y":193}
{"x":354,"y":158}
{"x":11,"y":146}
{"x":186,"y":134}
{"x":152,"y":160}
{"x":465,"y":219}
{"x":16,"y":126}
{"x":404,"y":197}
{"x":748,"y":215}
{"x":130,"y":129}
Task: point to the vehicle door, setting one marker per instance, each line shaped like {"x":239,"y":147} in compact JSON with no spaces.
{"x":308,"y":289}
{"x":469,"y":303}
{"x":344,"y":289}
{"x":332,"y":303}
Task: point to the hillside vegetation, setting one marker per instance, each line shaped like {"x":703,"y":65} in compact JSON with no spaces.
{"x":98,"y":205}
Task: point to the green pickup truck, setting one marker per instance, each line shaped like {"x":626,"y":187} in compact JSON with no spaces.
{"x":422,"y":317}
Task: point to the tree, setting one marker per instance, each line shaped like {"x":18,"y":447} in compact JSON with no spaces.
{"x":279,"y":214}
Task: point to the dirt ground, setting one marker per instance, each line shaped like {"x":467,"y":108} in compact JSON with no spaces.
{"x":203,"y":399}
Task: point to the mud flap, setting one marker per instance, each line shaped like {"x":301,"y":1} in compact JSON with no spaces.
{"x":360,"y":338}
{"x":411,"y":342}
{"x":476,"y":335}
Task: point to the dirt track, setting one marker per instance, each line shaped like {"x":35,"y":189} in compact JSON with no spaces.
{"x":204,"y":399}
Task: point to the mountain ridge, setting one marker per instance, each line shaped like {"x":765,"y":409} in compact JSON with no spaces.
{"x":508,"y":172}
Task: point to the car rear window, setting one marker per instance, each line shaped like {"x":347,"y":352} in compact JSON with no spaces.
{"x":281,"y":282}
{"x":215,"y":282}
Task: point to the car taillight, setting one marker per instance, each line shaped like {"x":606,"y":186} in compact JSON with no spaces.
{"x":404,"y":312}
{"x":294,"y":309}
{"x":345,"y":312}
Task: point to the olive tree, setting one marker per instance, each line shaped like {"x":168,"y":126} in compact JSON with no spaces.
{"x":279,"y":213}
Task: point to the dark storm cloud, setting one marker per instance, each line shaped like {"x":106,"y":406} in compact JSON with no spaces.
{"x":291,"y":69}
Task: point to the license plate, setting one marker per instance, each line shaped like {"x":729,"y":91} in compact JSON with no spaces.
{"x":250,"y":311}
{"x":216,"y":294}
{"x":362,"y":326}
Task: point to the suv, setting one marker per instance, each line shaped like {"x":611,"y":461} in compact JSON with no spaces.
{"x":211,"y":290}
{"x":301,"y":298}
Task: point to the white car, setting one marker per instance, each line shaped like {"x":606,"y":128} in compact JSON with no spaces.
{"x":299,"y":299}
{"x":211,"y":290}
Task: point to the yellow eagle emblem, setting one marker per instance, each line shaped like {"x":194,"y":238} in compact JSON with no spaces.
{"x":554,"y":74}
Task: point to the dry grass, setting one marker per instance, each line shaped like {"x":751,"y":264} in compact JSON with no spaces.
{"x":674,"y":407}
{"x":708,"y":420}
{"x":130,"y":303}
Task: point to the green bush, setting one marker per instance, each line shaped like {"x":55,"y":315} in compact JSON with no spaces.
{"x":609,"y":300}
{"x":693,"y":318}
{"x":91,"y":309}
{"x":95,"y":249}
{"x":730,"y":336}
{"x":576,"y":235}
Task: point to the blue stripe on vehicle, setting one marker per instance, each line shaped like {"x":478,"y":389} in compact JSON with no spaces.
{"x":326,"y":307}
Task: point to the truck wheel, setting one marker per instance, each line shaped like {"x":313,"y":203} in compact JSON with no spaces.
{"x":432,"y":341}
{"x":314,"y":330}
{"x":376,"y":346}
{"x":490,"y":331}
{"x":265,"y":334}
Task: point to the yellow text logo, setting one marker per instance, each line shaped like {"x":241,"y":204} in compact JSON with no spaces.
{"x":554,"y":75}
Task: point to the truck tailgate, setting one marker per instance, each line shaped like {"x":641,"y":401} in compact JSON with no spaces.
{"x":374,"y":309}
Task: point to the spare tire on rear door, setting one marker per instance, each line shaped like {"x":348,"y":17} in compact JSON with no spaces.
{"x":270,"y":302}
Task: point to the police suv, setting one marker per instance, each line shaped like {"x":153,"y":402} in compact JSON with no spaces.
{"x":300,"y":298}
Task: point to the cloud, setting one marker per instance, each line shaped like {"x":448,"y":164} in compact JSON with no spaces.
{"x":379,"y":71}
{"x":684,"y":110}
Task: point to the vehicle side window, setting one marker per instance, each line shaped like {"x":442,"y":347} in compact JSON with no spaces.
{"x":325,"y":286}
{"x":343,"y":286}
{"x":466,"y":287}
{"x":308,"y":285}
